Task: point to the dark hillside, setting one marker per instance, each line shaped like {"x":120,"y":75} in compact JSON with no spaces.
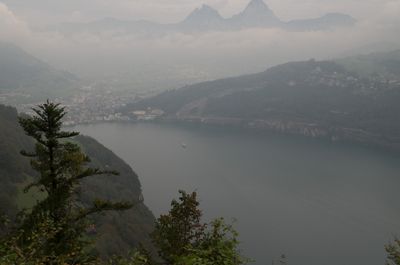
{"x":32,"y":79}
{"x":117,"y":232}
{"x":312,"y":98}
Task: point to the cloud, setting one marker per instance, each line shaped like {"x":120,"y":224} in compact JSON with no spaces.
{"x":390,"y":14}
{"x":175,"y":10}
{"x":218,"y":53}
{"x":211,"y":54}
{"x":11,"y":27}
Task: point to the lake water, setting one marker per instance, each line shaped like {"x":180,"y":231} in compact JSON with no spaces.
{"x":317,"y":202}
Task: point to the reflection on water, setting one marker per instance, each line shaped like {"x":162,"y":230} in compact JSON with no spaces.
{"x":317,"y":202}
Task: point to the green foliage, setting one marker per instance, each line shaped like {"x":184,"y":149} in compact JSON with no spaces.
{"x":12,"y":167}
{"x":183,"y":240}
{"x":26,"y":200}
{"x":40,"y":248}
{"x":290,"y":97}
{"x":54,"y":231}
{"x":393,"y":251}
{"x":137,"y":257}
{"x":219,"y":246}
{"x":115,"y":233}
{"x":55,"y":228}
{"x":180,"y":228}
{"x":282,"y":260}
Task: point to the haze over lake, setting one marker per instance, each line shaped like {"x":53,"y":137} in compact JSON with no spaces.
{"x":315,"y":201}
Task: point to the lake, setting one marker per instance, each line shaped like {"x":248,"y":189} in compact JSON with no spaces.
{"x":315,"y":201}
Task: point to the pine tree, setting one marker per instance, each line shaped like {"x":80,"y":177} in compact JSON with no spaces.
{"x":183,"y":239}
{"x":179,"y":228}
{"x":282,"y":260}
{"x":393,"y":252}
{"x":61,"y":166}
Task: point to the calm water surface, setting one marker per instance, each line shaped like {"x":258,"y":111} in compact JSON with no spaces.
{"x":317,"y":202}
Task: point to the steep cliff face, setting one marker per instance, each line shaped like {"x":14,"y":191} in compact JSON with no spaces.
{"x":115,"y":233}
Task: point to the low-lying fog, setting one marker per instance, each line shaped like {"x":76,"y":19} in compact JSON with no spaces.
{"x":187,"y":57}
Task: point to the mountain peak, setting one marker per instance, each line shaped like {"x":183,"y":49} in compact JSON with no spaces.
{"x":207,"y":8}
{"x":203,"y":15}
{"x":257,"y":13}
{"x":258,"y":7}
{"x":257,"y":4}
{"x":205,"y":11}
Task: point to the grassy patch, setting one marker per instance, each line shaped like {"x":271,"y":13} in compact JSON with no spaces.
{"x":26,"y":200}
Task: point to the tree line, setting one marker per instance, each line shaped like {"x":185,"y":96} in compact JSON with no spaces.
{"x":55,"y":231}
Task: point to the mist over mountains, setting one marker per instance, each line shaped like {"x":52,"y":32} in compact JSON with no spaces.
{"x":32,"y":78}
{"x":135,"y":51}
{"x":205,"y":18}
{"x":166,"y":84}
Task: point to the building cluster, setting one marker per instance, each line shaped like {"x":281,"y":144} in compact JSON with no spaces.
{"x":105,"y":106}
{"x":147,"y":115}
{"x":89,"y":106}
{"x":96,"y":106}
{"x":359,"y":84}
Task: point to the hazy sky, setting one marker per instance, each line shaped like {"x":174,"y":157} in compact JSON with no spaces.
{"x":42,"y":11}
{"x":214,"y":54}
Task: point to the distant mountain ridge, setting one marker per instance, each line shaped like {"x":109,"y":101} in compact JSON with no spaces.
{"x":323,"y":99}
{"x":22,"y":73}
{"x":382,"y":64}
{"x":256,"y":15}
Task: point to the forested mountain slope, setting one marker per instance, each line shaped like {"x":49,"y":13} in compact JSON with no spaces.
{"x":13,"y":168}
{"x":384,"y":64}
{"x":35,"y":80}
{"x":117,"y":233}
{"x":313,"y":98}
